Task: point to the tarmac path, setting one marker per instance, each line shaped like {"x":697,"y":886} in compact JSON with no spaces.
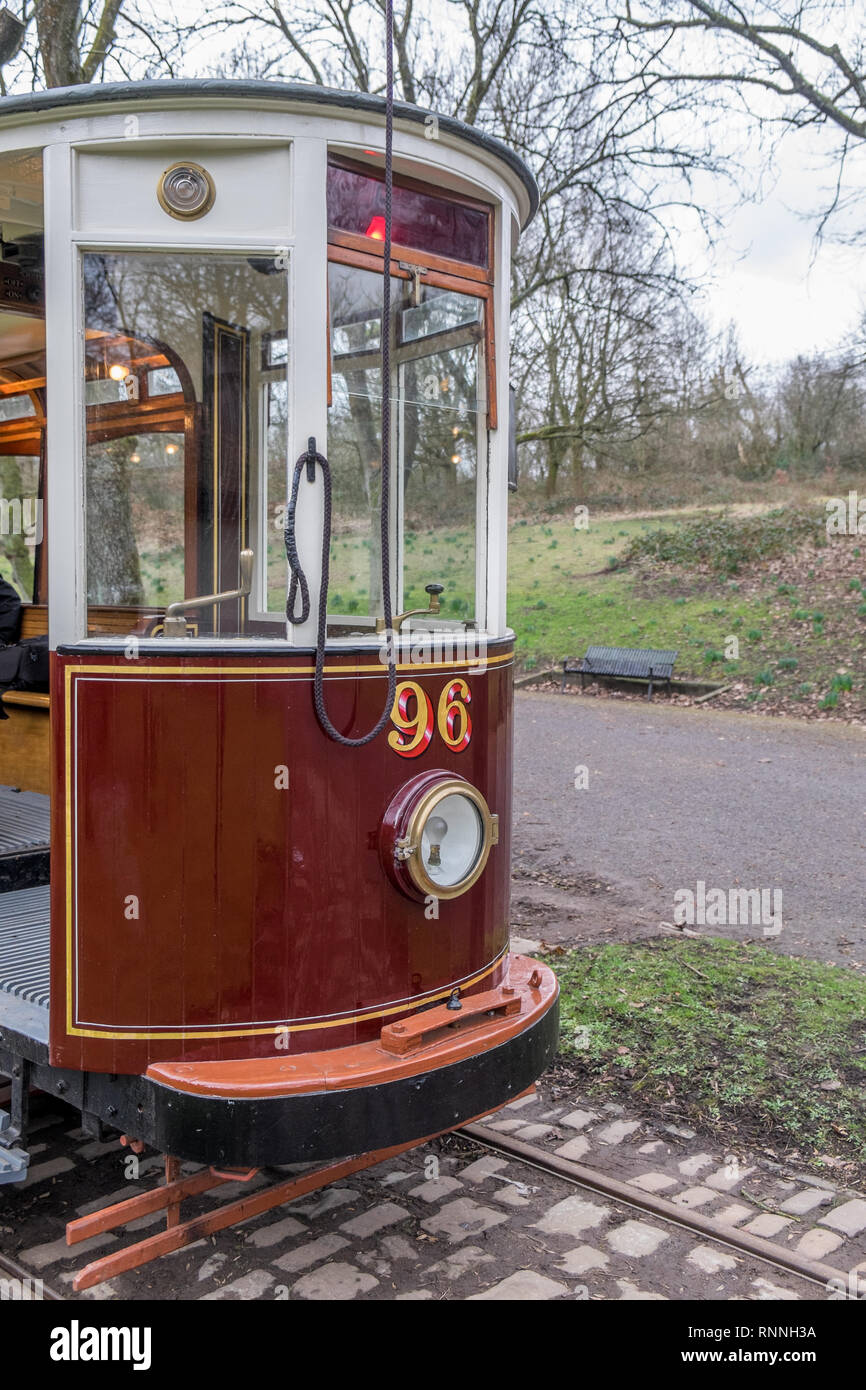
{"x":675,"y":796}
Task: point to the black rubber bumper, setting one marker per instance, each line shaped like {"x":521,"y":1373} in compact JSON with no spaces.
{"x":322,"y":1125}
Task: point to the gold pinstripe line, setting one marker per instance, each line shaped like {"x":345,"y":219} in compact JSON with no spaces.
{"x":273,"y":1028}
{"x":134,"y":667}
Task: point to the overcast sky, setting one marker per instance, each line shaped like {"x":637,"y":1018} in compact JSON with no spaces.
{"x":785,"y":295}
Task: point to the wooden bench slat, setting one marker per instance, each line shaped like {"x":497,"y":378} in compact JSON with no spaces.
{"x":32,"y":698}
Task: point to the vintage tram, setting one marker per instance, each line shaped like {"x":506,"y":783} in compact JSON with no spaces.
{"x":234,"y":926}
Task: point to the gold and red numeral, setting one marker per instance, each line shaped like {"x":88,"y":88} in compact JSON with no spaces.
{"x":454,"y":721}
{"x":413,"y":732}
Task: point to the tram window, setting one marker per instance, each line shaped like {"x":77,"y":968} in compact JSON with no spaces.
{"x":422,"y":220}
{"x":16,"y":407}
{"x":276,"y":415}
{"x":135,"y":520}
{"x":438,"y":311}
{"x":163,"y":381}
{"x":104,"y":391}
{"x":355,"y":439}
{"x":436,"y":350}
{"x":439,"y":391}
{"x":186,"y":391}
{"x":275,"y":350}
{"x":22,"y":359}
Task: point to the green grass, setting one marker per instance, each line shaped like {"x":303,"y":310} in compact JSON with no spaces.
{"x":441,"y":555}
{"x":607,"y":611}
{"x":585,"y":601}
{"x":735,"y":1037}
{"x":788,"y":654}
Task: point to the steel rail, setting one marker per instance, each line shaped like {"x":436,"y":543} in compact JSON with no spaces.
{"x":589,"y":1178}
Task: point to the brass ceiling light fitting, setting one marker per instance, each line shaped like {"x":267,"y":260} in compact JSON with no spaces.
{"x":186,"y":191}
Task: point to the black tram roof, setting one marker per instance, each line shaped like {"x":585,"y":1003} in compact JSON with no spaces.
{"x":57,"y":98}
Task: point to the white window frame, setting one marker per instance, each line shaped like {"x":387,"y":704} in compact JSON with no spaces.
{"x":305,"y":244}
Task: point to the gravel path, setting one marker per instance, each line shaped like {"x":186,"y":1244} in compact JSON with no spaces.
{"x":680,"y":796}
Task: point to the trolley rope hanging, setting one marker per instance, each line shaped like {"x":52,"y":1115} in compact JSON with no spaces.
{"x":312,"y":457}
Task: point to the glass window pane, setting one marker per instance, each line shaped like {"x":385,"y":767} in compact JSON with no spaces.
{"x":437,"y":409}
{"x":106,"y":391}
{"x":22,"y":350}
{"x":355,"y":439}
{"x":439,"y":457}
{"x":276,"y":411}
{"x":163,"y":381}
{"x":423,"y":221}
{"x":439,"y":311}
{"x":175,"y":493}
{"x":135,"y":520}
{"x":275,"y":350}
{"x":16,"y":407}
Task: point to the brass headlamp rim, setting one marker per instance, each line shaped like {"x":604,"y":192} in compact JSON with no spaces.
{"x":411,"y":841}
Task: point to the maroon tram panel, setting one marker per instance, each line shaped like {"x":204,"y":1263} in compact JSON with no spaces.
{"x":216,"y":869}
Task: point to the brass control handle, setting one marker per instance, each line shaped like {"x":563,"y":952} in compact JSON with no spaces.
{"x":397,"y":621}
{"x":174,"y":623}
{"x":434,"y":590}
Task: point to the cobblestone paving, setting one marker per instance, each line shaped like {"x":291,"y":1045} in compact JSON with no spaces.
{"x":455,"y":1221}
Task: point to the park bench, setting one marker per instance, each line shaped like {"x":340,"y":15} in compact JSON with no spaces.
{"x":625,"y":663}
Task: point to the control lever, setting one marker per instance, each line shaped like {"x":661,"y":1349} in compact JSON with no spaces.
{"x":434,"y":590}
{"x":174,"y":623}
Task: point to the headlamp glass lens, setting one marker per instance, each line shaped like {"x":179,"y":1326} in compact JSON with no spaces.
{"x":452,"y":840}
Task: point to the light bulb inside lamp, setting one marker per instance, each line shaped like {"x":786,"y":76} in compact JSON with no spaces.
{"x":437,"y":829}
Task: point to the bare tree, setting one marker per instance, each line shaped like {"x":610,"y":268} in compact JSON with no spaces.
{"x":609,"y":166}
{"x":63,"y":43}
{"x":787,"y":65}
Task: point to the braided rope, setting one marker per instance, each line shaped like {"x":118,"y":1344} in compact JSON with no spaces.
{"x":307,"y":459}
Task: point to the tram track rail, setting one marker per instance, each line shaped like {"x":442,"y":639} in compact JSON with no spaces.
{"x":743,"y":1242}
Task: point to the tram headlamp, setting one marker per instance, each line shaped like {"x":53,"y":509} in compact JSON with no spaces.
{"x":438,"y":833}
{"x":186,"y":191}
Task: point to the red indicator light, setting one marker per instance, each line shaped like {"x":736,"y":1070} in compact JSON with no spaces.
{"x":376,"y":229}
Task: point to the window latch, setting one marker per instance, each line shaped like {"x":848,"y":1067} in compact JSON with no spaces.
{"x":415,"y":272}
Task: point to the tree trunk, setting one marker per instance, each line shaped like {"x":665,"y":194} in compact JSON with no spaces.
{"x":554,"y":461}
{"x":57,"y":24}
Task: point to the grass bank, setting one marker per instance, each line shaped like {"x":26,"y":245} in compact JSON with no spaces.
{"x":766,"y":601}
{"x":759,"y":1050}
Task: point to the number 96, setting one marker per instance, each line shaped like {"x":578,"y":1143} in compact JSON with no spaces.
{"x":412,"y":717}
